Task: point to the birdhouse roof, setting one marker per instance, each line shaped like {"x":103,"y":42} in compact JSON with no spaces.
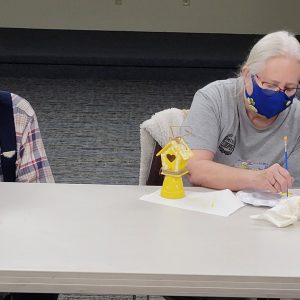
{"x":178,"y":146}
{"x":164,"y":149}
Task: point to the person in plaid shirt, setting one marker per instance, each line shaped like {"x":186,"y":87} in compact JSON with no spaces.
{"x":31,"y":162}
{"x":23,"y":157}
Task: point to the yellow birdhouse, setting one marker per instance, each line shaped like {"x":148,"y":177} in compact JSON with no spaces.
{"x":174,"y":159}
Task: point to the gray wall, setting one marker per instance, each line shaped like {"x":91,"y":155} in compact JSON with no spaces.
{"x":201,"y":16}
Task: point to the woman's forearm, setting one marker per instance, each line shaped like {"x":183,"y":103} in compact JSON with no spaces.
{"x":218,"y":176}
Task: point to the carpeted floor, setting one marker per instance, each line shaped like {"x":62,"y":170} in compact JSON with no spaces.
{"x":107,"y":297}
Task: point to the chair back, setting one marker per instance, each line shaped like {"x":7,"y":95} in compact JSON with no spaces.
{"x":155,"y":133}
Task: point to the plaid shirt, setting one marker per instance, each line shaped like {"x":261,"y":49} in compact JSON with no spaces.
{"x":32,"y":164}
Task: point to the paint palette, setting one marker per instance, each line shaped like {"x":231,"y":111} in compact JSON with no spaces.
{"x":258,"y":198}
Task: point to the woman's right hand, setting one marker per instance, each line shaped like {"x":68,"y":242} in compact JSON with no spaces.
{"x":275,"y":179}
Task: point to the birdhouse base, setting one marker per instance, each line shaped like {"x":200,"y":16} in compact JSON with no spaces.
{"x":172,"y":188}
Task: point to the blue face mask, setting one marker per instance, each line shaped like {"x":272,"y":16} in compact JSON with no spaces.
{"x":267,"y":102}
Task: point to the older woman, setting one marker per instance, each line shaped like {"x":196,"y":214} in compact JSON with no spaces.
{"x":238,"y":124}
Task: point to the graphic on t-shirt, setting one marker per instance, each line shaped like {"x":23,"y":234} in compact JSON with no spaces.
{"x":228,"y":144}
{"x":250,"y":165}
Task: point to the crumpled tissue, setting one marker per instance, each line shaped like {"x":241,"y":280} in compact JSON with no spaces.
{"x":285,"y":213}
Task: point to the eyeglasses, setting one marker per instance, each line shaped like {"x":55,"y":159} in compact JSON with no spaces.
{"x":271,"y":88}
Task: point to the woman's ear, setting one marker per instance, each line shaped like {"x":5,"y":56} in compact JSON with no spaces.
{"x":245,"y":72}
{"x":247,"y":79}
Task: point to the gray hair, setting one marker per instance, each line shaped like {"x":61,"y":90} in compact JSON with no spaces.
{"x":279,"y":43}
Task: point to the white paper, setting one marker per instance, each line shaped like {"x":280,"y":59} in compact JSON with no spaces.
{"x":221,"y":203}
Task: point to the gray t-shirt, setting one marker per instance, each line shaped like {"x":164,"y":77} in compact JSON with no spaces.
{"x":219,"y":123}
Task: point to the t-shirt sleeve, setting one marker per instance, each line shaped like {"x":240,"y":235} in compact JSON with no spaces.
{"x":294,"y":164}
{"x":202,"y":125}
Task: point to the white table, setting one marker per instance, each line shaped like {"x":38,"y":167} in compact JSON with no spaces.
{"x":99,"y":239}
